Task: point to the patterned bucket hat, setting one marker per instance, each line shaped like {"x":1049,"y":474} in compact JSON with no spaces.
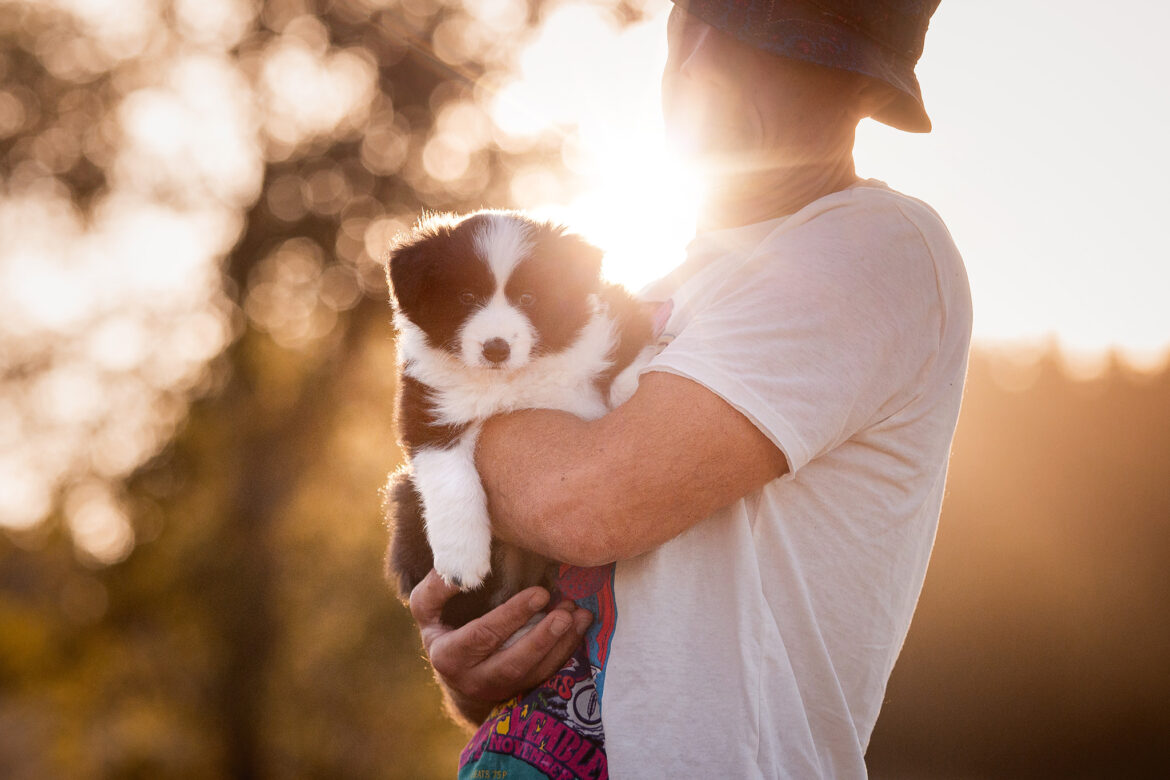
{"x":878,"y":38}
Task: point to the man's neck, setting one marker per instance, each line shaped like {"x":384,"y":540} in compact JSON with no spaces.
{"x":738,"y":199}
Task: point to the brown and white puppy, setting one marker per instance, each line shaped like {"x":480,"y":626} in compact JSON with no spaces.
{"x":495,"y":312}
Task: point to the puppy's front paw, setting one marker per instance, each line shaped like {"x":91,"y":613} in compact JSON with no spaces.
{"x":464,"y":565}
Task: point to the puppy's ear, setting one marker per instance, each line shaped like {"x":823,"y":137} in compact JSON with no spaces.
{"x":582,"y":260}
{"x":406,"y":271}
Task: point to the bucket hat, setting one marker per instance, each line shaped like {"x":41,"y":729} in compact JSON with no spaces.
{"x":881,"y":39}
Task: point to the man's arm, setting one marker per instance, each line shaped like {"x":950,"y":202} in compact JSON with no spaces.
{"x":587,"y":492}
{"x":592,"y":492}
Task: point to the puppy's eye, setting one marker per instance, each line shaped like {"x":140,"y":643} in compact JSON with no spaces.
{"x":467,"y":297}
{"x":527,"y":299}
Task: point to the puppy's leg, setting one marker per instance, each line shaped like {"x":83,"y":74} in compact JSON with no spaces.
{"x":409,"y":557}
{"x":626,"y":382}
{"x":455,"y":509}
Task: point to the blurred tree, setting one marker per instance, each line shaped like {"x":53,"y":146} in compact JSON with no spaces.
{"x":249,"y":633}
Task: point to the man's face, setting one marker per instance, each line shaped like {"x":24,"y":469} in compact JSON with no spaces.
{"x":727,"y":102}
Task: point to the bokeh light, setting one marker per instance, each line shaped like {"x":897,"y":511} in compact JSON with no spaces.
{"x":617,"y":184}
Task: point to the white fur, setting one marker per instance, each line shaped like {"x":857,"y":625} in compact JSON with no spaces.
{"x":626,"y":382}
{"x":532,"y":623}
{"x":455,"y":510}
{"x":499,"y":319}
{"x":560,"y":380}
{"x":454,"y":504}
{"x":502,"y":242}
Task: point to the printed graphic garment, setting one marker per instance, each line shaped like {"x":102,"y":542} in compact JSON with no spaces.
{"x":555,"y":730}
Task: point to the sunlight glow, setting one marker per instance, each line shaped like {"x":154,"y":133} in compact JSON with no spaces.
{"x":1048,"y":168}
{"x":640,"y":208}
{"x":630,"y":196}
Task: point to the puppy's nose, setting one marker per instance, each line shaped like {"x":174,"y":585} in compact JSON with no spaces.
{"x":496,"y":350}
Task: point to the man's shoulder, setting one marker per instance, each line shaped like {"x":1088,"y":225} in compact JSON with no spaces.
{"x":867,"y":223}
{"x":866,"y":206}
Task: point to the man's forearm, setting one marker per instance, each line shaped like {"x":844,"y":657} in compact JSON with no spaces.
{"x":533,"y":465}
{"x":596,"y":491}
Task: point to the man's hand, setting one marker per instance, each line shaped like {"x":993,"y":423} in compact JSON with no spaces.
{"x":469,"y":662}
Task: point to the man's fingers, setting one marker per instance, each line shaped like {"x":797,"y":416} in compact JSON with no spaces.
{"x":469,"y":645}
{"x":560,"y":652}
{"x":539,"y":653}
{"x":428,"y":597}
{"x":469,"y":658}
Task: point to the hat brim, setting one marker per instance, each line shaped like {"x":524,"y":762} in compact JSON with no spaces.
{"x":800,"y":31}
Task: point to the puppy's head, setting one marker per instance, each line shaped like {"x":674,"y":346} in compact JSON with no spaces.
{"x":494,"y":289}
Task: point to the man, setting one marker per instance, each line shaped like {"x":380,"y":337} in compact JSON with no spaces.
{"x":771,"y":492}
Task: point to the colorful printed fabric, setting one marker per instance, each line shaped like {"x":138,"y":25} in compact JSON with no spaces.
{"x":554,"y":731}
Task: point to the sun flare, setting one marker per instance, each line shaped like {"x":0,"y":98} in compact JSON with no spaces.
{"x":630,"y":195}
{"x":641,"y":209}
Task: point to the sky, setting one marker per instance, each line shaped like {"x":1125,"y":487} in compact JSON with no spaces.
{"x":1048,"y":159}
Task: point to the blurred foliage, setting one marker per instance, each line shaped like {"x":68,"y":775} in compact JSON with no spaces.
{"x":219,"y":610}
{"x":190,"y":579}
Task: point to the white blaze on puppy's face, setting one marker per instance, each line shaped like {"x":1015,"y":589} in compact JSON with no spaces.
{"x":499,"y":335}
{"x":502,"y":242}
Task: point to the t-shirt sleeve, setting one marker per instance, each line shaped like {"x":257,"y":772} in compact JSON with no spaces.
{"x":822,"y":332}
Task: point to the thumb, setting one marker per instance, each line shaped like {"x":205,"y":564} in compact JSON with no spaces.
{"x":428,"y":599}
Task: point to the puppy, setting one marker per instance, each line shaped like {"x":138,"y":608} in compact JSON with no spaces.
{"x":495,"y":312}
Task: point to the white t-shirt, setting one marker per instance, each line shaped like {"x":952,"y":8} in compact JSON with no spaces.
{"x":759,"y":642}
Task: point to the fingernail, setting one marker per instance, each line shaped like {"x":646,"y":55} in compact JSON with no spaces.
{"x":538,"y":599}
{"x":560,"y":624}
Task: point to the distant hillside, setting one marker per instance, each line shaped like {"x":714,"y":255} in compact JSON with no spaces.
{"x":1041,"y":645}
